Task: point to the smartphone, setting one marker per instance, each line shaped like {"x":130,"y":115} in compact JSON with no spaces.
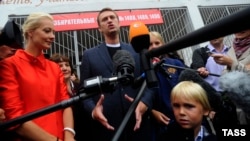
{"x":209,"y":53}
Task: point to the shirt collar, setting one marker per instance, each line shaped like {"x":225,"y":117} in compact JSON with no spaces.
{"x":34,"y":60}
{"x":113,"y":45}
{"x":199,"y":137}
{"x":212,"y":49}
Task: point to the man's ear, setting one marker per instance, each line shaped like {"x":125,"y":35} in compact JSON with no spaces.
{"x":100,"y":30}
{"x":206,"y":113}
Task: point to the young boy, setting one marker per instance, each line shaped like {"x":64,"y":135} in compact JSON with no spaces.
{"x":190,"y":105}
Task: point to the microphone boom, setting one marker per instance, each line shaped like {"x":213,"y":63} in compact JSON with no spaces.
{"x":231,"y":24}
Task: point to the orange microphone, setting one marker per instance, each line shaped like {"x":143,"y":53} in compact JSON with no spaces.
{"x":139,"y":36}
{"x":140,"y":41}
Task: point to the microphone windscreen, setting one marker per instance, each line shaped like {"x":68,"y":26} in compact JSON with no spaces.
{"x":122,"y":57}
{"x":213,"y":96}
{"x":137,"y":28}
{"x":139,"y":36}
{"x":236,"y":85}
{"x":11,"y":35}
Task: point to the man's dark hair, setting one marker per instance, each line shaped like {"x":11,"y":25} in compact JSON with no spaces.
{"x":104,"y":10}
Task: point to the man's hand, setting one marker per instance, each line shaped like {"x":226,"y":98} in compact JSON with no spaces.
{"x":222,"y":59}
{"x":97,"y":114}
{"x":203,"y":71}
{"x":139,"y":111}
{"x":160,"y":117}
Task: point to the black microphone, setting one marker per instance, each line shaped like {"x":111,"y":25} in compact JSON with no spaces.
{"x":236,"y":86}
{"x":139,"y":80}
{"x":11,"y":35}
{"x":124,"y":65}
{"x":233,"y":23}
{"x":98,"y":84}
{"x":213,"y":96}
{"x":140,"y":40}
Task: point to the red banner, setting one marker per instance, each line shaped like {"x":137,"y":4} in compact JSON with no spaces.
{"x":78,"y":21}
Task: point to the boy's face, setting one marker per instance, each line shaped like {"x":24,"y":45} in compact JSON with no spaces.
{"x":188,"y":113}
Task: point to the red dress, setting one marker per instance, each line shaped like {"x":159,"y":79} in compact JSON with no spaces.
{"x":30,"y":83}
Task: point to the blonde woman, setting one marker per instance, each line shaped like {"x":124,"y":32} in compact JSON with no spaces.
{"x":29,"y":82}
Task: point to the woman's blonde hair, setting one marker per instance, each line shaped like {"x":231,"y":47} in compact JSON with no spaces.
{"x":193,"y":91}
{"x":157,"y":35}
{"x":33,"y":22}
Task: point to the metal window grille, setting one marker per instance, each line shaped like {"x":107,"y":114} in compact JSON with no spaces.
{"x":212,"y":14}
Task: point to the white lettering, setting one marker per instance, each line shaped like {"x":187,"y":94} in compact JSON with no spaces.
{"x":234,"y":132}
{"x":74,"y":21}
{"x":155,"y":16}
{"x":142,"y":17}
{"x":230,"y":133}
{"x":224,"y":132}
{"x":121,"y":18}
{"x":130,"y":18}
{"x":243,"y":132}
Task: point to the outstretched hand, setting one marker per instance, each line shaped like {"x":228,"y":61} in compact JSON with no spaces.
{"x":97,"y":114}
{"x":139,"y":111}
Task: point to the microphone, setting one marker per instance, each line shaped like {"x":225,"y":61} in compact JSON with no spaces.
{"x":139,"y":36}
{"x":139,"y":80}
{"x":233,"y":23}
{"x":98,"y":84}
{"x":236,"y":86}
{"x":11,"y":35}
{"x":140,"y":41}
{"x":124,"y":65}
{"x":213,"y":96}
